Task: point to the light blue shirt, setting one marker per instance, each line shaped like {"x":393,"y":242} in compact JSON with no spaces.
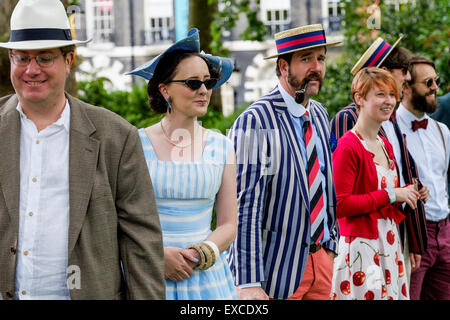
{"x":296,"y":111}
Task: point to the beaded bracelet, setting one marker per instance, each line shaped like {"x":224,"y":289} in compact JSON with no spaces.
{"x":202,"y":262}
{"x":208,"y":252}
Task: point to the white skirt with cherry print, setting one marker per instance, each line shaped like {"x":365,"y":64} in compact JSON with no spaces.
{"x":371,"y":269}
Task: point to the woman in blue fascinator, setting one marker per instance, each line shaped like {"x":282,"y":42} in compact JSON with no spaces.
{"x":192,"y":169}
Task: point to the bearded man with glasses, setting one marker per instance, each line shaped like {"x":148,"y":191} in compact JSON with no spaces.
{"x":429,"y":144}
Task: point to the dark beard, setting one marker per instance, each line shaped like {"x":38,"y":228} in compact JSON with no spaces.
{"x":419,"y":102}
{"x":297,"y":85}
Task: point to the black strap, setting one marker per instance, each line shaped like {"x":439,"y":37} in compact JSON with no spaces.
{"x":40,"y":34}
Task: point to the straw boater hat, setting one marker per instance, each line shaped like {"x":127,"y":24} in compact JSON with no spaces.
{"x":301,"y":38}
{"x":374,"y":55}
{"x":39,"y":24}
{"x":189,"y":44}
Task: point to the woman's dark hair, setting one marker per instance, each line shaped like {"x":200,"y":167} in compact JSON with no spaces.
{"x":165,"y":72}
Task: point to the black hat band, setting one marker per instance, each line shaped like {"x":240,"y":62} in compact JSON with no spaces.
{"x":40,"y":34}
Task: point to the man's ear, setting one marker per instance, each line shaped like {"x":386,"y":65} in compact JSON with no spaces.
{"x":283,"y":65}
{"x":69,"y":59}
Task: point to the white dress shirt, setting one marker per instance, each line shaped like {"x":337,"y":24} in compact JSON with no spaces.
{"x":42,"y":256}
{"x":432,"y":159}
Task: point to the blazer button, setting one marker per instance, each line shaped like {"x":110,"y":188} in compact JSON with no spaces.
{"x":13,"y":250}
{"x":9,"y":295}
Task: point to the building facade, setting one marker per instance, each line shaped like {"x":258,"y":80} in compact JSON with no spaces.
{"x":126,"y":33}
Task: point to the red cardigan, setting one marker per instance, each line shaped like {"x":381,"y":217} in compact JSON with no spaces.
{"x":359,"y":202}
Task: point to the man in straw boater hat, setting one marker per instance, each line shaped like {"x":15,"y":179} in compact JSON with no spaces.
{"x":394,"y":59}
{"x":429,"y":142}
{"x":286,"y":238}
{"x":77,"y":219}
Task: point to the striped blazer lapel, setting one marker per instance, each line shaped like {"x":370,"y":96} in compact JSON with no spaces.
{"x":291,"y":138}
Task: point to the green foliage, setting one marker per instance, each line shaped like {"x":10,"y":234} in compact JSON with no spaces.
{"x":134,"y":106}
{"x":225,"y":19}
{"x":217,"y":121}
{"x":335,"y":93}
{"x":426,"y":30}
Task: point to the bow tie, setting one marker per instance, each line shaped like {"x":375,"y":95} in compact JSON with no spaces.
{"x":419,"y":124}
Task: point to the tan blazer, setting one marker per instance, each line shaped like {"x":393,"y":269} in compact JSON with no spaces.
{"x":113,"y":217}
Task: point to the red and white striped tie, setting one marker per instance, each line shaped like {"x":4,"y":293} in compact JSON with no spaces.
{"x":316,"y":203}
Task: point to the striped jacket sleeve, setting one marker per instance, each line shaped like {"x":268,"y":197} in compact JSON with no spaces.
{"x":246,"y":256}
{"x":344,"y":120}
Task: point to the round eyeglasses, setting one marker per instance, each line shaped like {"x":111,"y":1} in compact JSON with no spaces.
{"x":43,"y":61}
{"x":429,"y":82}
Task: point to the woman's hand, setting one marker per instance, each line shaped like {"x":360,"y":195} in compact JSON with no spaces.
{"x":179,"y":263}
{"x":407,"y":194}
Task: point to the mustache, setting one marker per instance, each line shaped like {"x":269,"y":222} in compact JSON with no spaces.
{"x":313,"y":77}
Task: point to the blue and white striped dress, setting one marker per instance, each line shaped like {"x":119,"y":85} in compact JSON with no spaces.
{"x":185,"y":193}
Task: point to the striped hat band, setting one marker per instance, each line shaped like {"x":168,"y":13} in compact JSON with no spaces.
{"x":300,"y":41}
{"x":375,"y":55}
{"x":301,"y":38}
{"x":378,"y":55}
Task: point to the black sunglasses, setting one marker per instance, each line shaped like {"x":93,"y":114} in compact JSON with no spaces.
{"x":429,"y":82}
{"x":196,"y":84}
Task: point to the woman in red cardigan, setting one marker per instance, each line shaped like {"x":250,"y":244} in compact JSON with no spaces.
{"x":370,"y":260}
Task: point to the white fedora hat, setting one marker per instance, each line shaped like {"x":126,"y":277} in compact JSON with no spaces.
{"x":39,"y":24}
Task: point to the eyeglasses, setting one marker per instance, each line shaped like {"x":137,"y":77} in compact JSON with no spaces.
{"x":196,"y":84}
{"x":429,"y":82}
{"x":44,"y":61}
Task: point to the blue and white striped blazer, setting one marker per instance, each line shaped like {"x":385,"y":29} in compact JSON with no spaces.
{"x":273,"y":237}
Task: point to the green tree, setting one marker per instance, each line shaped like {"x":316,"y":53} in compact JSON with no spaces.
{"x":201,"y":16}
{"x":225,"y":19}
{"x":6,"y":8}
{"x":212,"y":22}
{"x":425,"y":25}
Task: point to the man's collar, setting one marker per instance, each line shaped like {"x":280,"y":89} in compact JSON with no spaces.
{"x":63,"y":120}
{"x":407,"y":115}
{"x":295,"y":109}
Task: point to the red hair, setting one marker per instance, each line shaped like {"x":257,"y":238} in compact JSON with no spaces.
{"x":368,"y":78}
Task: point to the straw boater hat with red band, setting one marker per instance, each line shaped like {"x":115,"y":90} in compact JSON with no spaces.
{"x":39,"y":24}
{"x":375,"y":55}
{"x":301,"y":38}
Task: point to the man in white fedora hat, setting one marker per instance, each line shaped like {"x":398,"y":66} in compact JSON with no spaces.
{"x":77,"y":215}
{"x":287,"y":237}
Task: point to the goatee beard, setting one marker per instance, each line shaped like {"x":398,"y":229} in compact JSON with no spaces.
{"x":420,"y":103}
{"x":297,"y":85}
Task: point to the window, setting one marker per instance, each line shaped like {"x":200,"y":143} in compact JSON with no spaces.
{"x":398,"y":3}
{"x":159,"y":25}
{"x":100,"y":20}
{"x":335,"y":13}
{"x":276,"y":15}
